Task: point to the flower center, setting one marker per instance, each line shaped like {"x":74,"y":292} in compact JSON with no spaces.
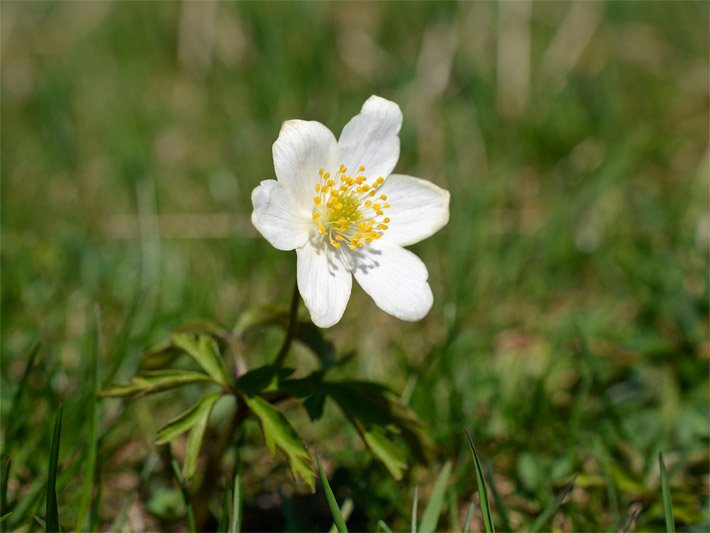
{"x":347,"y":209}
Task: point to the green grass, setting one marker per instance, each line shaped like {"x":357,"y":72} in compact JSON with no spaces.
{"x":569,"y":332}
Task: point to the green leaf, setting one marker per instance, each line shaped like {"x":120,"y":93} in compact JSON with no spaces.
{"x":386,"y":451}
{"x":203,"y":349}
{"x":430,"y":518}
{"x":373,"y":407}
{"x":152,"y":381}
{"x":93,"y":440}
{"x":165,"y":352}
{"x":52,"y":512}
{"x":5,"y":517}
{"x":666,"y":492}
{"x":332,"y":503}
{"x":262,"y":379}
{"x":189,"y":419}
{"x":197,"y":433}
{"x":551,"y":509}
{"x":278,"y":432}
{"x":482,"y":492}
{"x":500,"y":504}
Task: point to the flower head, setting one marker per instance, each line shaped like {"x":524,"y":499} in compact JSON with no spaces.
{"x":338,"y":205}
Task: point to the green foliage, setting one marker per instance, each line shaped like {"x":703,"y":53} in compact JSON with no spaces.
{"x":52,"y":510}
{"x":153,"y":381}
{"x":667,"y":502}
{"x":430,"y":518}
{"x":332,"y":502}
{"x":279,"y":433}
{"x":569,"y":325}
{"x":482,"y":490}
{"x":552,"y":508}
{"x":203,"y":349}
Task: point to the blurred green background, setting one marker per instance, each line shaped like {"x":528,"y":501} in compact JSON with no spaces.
{"x":569,"y":332}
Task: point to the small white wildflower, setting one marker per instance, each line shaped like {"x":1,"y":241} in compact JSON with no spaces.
{"x":337,"y":205}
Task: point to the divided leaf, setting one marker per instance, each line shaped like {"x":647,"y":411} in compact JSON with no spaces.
{"x":165,"y":352}
{"x":203,"y":349}
{"x":278,"y":432}
{"x":376,"y":412}
{"x":189,"y":419}
{"x":152,"y":381}
{"x":385,"y":450}
{"x":194,"y":420}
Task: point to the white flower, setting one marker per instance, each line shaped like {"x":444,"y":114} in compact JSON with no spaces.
{"x":337,"y":205}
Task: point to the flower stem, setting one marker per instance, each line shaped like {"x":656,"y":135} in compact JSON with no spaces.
{"x":291,"y":329}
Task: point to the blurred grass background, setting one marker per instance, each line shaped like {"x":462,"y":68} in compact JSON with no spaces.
{"x":569,"y":332}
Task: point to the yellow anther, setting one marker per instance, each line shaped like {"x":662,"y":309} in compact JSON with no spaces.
{"x":386,"y":220}
{"x":331,"y":183}
{"x":320,"y":172}
{"x":380,"y":180}
{"x":339,"y":238}
{"x":361,"y":168}
{"x":351,"y":246}
{"x":316,"y":214}
{"x":317,"y":187}
{"x":372,"y":192}
{"x":383,"y":197}
{"x":368,"y":203}
{"x":378,"y":235}
{"x":339,"y":206}
{"x":377,"y":207}
{"x":360,"y":180}
{"x":326,"y":175}
{"x":365,"y":187}
{"x":386,"y":206}
{"x":316,"y":200}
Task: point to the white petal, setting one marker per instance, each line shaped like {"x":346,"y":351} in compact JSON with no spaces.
{"x":324,"y":283}
{"x":278,"y":217}
{"x":302,"y":149}
{"x":418,"y":209}
{"x":395,"y":279}
{"x":370,"y":139}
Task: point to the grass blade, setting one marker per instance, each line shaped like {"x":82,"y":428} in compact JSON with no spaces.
{"x":430,"y":518}
{"x":52,"y":513}
{"x":453,"y":512}
{"x":482,"y":491}
{"x":381,"y":526}
{"x":551,"y":509}
{"x":667,"y":502}
{"x":415,"y":503}
{"x":346,"y":510}
{"x":224,"y":517}
{"x":467,"y":520}
{"x":500,"y":504}
{"x":6,"y":465}
{"x":237,"y":498}
{"x":185,"y":496}
{"x":332,"y":503}
{"x":93,"y":415}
